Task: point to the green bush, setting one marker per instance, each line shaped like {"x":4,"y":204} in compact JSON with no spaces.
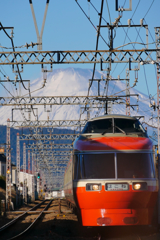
{"x":3,"y":182}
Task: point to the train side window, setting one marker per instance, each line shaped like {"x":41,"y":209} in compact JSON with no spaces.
{"x":152,"y":166}
{"x":78,"y":166}
{"x":79,"y":175}
{"x":73,"y":164}
{"x":75,"y":171}
{"x":82,"y":167}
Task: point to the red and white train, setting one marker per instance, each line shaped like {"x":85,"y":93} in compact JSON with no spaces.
{"x":111,"y":176}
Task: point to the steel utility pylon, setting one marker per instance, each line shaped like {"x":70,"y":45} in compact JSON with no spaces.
{"x":24,"y":174}
{"x":18,"y":171}
{"x":33,"y":177}
{"x":8,"y":168}
{"x":157,"y":36}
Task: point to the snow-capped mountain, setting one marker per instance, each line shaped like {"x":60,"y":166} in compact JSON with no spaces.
{"x":75,"y":82}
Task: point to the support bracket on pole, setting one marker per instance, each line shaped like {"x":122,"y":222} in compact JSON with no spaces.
{"x":118,"y":8}
{"x":39,"y":36}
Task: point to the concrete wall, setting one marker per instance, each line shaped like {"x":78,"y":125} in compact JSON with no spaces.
{"x":29,"y":181}
{"x":14,"y":176}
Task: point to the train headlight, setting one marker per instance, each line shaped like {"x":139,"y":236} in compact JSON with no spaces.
{"x":139,"y":186}
{"x":93,"y":187}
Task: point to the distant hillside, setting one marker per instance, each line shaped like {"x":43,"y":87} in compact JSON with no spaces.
{"x":25,"y":131}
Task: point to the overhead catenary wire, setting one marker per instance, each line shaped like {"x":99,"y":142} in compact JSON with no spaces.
{"x":142,"y":41}
{"x":146,"y":81}
{"x":153,"y":40}
{"x":91,"y":21}
{"x":5,"y":76}
{"x":110,"y":21}
{"x":97,"y":41}
{"x":124,"y":3}
{"x":126,"y":35}
{"x":137,"y":33}
{"x":108,"y":11}
{"x":14,"y":53}
{"x":98,"y":12}
{"x":149,"y":8}
{"x":7,"y":90}
{"x":17,"y":64}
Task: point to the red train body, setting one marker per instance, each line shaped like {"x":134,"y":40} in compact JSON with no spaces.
{"x":111,"y":177}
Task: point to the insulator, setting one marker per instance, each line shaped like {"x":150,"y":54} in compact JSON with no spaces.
{"x":141,"y":22}
{"x":12,"y":33}
{"x":16,"y":77}
{"x":129,"y":22}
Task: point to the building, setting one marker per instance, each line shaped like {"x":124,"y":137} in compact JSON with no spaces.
{"x":2,"y":165}
{"x":29,"y":178}
{"x":3,"y":168}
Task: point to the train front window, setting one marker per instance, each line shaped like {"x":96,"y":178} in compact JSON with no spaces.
{"x":93,"y":166}
{"x":135,"y":165}
{"x":128,"y":125}
{"x":114,"y":125}
{"x":99,"y":126}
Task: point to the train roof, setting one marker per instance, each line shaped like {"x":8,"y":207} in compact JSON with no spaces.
{"x":112,"y":116}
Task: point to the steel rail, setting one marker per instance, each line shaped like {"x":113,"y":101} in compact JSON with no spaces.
{"x":25,"y":213}
{"x":29,"y":228}
{"x":14,"y":220}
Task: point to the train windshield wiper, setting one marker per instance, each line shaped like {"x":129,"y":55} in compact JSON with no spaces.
{"x":105,"y":132}
{"x":120,"y":130}
{"x":117,"y":128}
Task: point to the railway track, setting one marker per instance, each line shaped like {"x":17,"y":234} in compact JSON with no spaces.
{"x":64,"y":226}
{"x":8,"y":232}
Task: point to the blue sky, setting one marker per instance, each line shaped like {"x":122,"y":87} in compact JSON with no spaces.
{"x":67,"y":28}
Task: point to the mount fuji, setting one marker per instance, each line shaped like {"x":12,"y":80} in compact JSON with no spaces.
{"x":75,"y":82}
